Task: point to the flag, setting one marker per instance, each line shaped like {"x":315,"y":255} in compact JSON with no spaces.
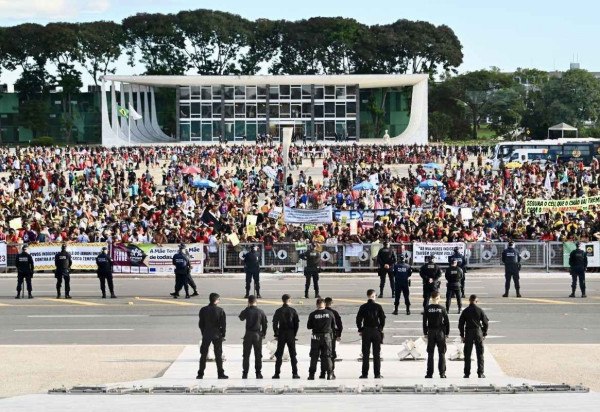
{"x":134,"y":115}
{"x":123,"y":112}
{"x":548,"y":183}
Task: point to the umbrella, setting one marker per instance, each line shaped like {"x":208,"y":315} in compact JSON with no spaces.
{"x":433,"y":166}
{"x":366,"y":185}
{"x":204,"y":183}
{"x":513,"y":165}
{"x":191,"y":170}
{"x":430,"y":183}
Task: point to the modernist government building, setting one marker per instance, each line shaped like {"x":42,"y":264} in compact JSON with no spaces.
{"x":242,"y":108}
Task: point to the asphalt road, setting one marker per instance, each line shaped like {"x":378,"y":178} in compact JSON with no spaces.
{"x":145,"y":314}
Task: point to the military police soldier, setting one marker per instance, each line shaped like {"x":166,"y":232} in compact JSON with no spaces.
{"x":402,"y":272}
{"x":461,"y":262}
{"x":256,"y":330}
{"x":212,"y":324}
{"x":252,"y":268}
{"x":453,"y":277}
{"x":311,"y":270}
{"x":336,"y":336}
{"x":370,"y":321}
{"x":578,"y":263}
{"x":105,"y":273}
{"x":189,"y":279}
{"x":322,"y":324}
{"x":182,"y":267}
{"x":473,"y":327}
{"x":285,"y":328}
{"x":385,"y":260}
{"x":63,"y":263}
{"x":436,"y":328}
{"x":512,"y":266}
{"x":25,"y":269}
{"x":431,"y":274}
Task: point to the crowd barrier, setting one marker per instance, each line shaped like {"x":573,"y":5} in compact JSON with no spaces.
{"x":284,"y":257}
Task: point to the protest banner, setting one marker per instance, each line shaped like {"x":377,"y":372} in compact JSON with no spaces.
{"x":592,"y":250}
{"x":345,"y":215}
{"x":565,"y":205}
{"x":148,"y":258}
{"x":82,"y":254}
{"x":440,"y":251}
{"x":3,"y":255}
{"x":309,"y":216}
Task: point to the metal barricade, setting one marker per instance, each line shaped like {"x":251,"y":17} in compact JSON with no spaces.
{"x":489,"y":254}
{"x":555,"y":255}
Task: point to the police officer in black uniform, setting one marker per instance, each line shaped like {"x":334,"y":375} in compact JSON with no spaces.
{"x":256,"y":330}
{"x":336,"y":336}
{"x":512,"y":266}
{"x":313,"y":258}
{"x":370,"y":321}
{"x":453,"y":277}
{"x":461,"y":262}
{"x":105,"y":273}
{"x":212,"y":324}
{"x":182,"y":267}
{"x":431,"y":274}
{"x":63,"y":263}
{"x":322,"y":324}
{"x":402,"y":272}
{"x":385,"y":260}
{"x":25,"y":269}
{"x":473,"y":327}
{"x":285,"y":328}
{"x":189,"y":279}
{"x":436,"y":328}
{"x":252,"y":268}
{"x":578,"y":263}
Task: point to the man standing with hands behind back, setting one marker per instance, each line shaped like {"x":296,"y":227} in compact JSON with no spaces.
{"x":473,"y":327}
{"x":370,"y":322}
{"x":212,"y":324}
{"x":256,"y":330}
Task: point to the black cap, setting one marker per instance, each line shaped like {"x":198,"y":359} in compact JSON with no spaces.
{"x":63,"y":246}
{"x":401,"y":258}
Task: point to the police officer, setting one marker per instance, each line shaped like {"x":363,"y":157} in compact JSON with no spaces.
{"x":578,"y":262}
{"x":370,"y":321}
{"x":322,"y":324}
{"x":436,"y":327}
{"x":256,"y":330}
{"x":402,"y":272}
{"x":25,"y":269}
{"x":311,"y":270}
{"x":182,"y":266}
{"x":212,"y":324}
{"x":336,"y":336}
{"x":431,"y":274}
{"x":105,"y":273}
{"x":189,"y":279}
{"x":461,"y":262}
{"x":285,"y":328}
{"x":63,"y":263}
{"x":453,"y":276}
{"x":512,"y":266}
{"x":473,"y":327}
{"x":385,"y":259}
{"x":252,"y":268}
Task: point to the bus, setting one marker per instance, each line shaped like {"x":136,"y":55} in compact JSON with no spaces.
{"x":563,"y":150}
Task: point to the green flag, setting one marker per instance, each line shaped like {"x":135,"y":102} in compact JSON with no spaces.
{"x":123,"y":112}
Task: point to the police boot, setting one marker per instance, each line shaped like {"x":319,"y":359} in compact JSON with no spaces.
{"x":306,"y":293}
{"x":245,"y":375}
{"x":518,"y":293}
{"x":583,"y":295}
{"x":380,"y":293}
{"x":247,"y":293}
{"x":408,"y":310}
{"x":113,"y":296}
{"x":311,"y":377}
{"x":195,"y":293}
{"x":174,"y":294}
{"x":103,"y":295}
{"x":322,"y":375}
{"x":30,"y":296}
{"x":505,"y":294}
{"x":331,"y":376}
{"x":18,"y":295}
{"x":317,"y":296}
{"x":395,"y":312}
{"x":258,"y":294}
{"x":572,"y":295}
{"x":187,"y":295}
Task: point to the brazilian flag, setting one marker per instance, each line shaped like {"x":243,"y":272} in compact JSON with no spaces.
{"x":123,"y":112}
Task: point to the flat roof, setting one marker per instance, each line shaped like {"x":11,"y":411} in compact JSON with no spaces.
{"x":362,"y":80}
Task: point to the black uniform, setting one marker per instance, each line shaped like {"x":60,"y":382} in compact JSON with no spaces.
{"x":256,"y":330}
{"x":370,"y":321}
{"x":385,"y":256}
{"x":25,"y":269}
{"x":454,"y":276}
{"x":578,"y":262}
{"x":402,"y":273}
{"x":430,"y":271}
{"x":212,"y":324}
{"x":322,"y":324}
{"x":473,"y":326}
{"x":512,"y":266}
{"x":313,"y":258}
{"x":461,"y":262}
{"x":63,"y":263}
{"x":252,"y":267}
{"x":105,"y":273}
{"x":436,"y":326}
{"x":285,"y":328}
{"x":337,"y":333}
{"x":182,"y":269}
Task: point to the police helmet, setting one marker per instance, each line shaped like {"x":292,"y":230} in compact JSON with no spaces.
{"x":181,"y":246}
{"x":401,"y":259}
{"x":63,"y":246}
{"x":104,"y":248}
{"x":511,"y":243}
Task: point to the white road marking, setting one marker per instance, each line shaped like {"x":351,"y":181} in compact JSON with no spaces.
{"x":87,"y":316}
{"x":451,"y":337}
{"x":73,"y":330}
{"x":420,"y":321}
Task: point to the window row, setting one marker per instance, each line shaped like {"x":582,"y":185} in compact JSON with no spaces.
{"x":281,"y":92}
{"x":259,"y":110}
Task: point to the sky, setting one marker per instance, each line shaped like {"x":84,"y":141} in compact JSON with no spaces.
{"x":545,"y":34}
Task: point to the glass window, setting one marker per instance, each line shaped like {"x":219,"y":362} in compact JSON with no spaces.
{"x":340,"y":92}
{"x":351,"y":128}
{"x":262,"y":127}
{"x":351,"y":91}
{"x":217,"y":91}
{"x":319,"y":92}
{"x":251,"y":131}
{"x":184,"y":111}
{"x":274,"y":111}
{"x":340,"y":110}
{"x":329,"y":91}
{"x":306,"y":91}
{"x":228,"y":92}
{"x":184,"y":93}
{"x":351,"y":108}
{"x":329,"y":128}
{"x":240,"y":128}
{"x":319,"y":113}
{"x":296,"y":93}
{"x":216,"y":129}
{"x":229,"y":130}
{"x":206,"y":93}
{"x":306,"y":109}
{"x":340,"y":129}
{"x":228,"y":111}
{"x":296,"y":112}
{"x":261,"y":91}
{"x":284,"y":90}
{"x":284,"y":110}
{"x":216,"y":109}
{"x":240,"y":92}
{"x":240,"y":109}
{"x":195,"y":131}
{"x":206,"y":110}
{"x":195,"y":92}
{"x":184,"y":131}
{"x":195,"y":109}
{"x":250,"y":111}
{"x":329,"y":108}
{"x":262,"y":109}
{"x":207,"y":131}
{"x":274,"y":93}
{"x":251,"y":93}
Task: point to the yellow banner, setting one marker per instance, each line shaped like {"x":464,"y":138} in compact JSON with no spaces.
{"x":563,"y":205}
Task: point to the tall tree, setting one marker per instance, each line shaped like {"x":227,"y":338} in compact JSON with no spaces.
{"x":264,"y":42}
{"x":299,"y":51}
{"x":101,"y":45}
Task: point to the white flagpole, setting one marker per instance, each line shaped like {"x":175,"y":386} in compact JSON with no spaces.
{"x":129,"y":130}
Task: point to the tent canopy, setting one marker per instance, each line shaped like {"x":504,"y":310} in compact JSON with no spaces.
{"x":563,"y":126}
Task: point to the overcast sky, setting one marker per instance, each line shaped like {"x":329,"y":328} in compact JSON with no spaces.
{"x":508,"y":34}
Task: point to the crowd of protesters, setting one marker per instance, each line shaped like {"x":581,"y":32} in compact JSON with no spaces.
{"x":146,"y":194}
